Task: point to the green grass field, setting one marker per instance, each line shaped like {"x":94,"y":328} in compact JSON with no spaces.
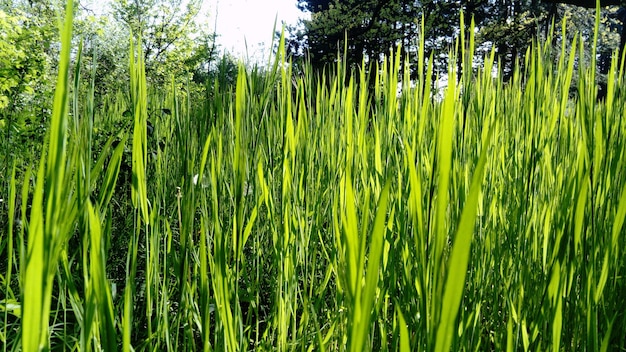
{"x":321,"y":212}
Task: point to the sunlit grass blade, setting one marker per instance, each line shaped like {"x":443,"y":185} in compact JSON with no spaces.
{"x":618,"y":223}
{"x":35,"y":304}
{"x":111,"y":176}
{"x":404,"y":332}
{"x":459,"y":256}
{"x":139,"y":147}
{"x":44,"y":238}
{"x":438,"y":233}
{"x":100,"y":284}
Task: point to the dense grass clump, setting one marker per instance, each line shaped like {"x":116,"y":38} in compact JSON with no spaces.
{"x":326,"y":211}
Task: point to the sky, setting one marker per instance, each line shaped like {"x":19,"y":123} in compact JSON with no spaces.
{"x":244,"y":27}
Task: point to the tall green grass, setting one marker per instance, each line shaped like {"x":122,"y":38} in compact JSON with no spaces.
{"x":327,"y":211}
{"x":48,"y":231}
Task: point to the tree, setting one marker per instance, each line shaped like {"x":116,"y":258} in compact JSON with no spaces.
{"x":105,"y":48}
{"x":28,"y":51}
{"x":372,"y":28}
{"x":603,"y":3}
{"x":167,"y":31}
{"x":15,"y":68}
{"x":510,"y":27}
{"x":588,"y":3}
{"x":28,"y":48}
{"x":513,"y":25}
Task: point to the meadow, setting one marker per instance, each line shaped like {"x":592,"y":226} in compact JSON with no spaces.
{"x":320,"y":212}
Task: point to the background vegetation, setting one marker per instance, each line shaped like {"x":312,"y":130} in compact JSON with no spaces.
{"x":372,"y":27}
{"x":378,"y":206}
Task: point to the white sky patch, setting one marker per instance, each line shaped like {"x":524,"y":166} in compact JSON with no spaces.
{"x":244,"y":27}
